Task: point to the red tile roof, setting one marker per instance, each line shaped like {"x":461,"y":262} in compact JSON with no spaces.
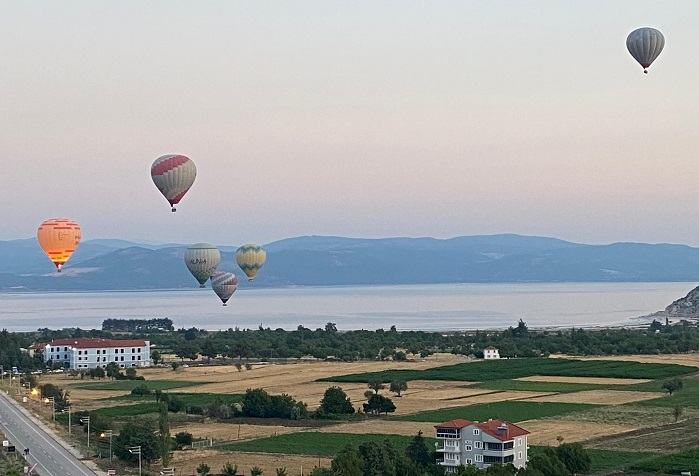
{"x":490,"y":427}
{"x":94,"y":343}
{"x":490,"y":347}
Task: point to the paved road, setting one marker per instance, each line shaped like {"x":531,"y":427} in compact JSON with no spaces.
{"x":52,"y":458}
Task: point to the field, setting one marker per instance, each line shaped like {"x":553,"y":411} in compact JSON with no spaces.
{"x":615,"y":407}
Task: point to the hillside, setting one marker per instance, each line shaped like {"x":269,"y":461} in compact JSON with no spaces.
{"x":327,"y":260}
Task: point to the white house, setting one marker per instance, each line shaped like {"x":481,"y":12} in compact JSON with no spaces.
{"x":464,"y":442}
{"x":88,"y":353}
{"x":491,"y":353}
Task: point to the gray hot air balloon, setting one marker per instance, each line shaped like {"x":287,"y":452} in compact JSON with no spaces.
{"x":202,"y":259}
{"x":645,"y":44}
{"x":224,"y":285}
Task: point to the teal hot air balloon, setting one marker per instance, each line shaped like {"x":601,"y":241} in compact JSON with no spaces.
{"x":645,"y":44}
{"x":202,"y":259}
{"x":250,"y":258}
{"x":224,"y":285}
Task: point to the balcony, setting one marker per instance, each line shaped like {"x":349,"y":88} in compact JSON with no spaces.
{"x":499,"y":453}
{"x":445,"y":433}
{"x":447,"y":448}
{"x":449,"y":462}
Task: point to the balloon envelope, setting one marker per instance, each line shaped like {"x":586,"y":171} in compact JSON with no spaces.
{"x":224,"y":285}
{"x":59,"y":237}
{"x":174,"y":176}
{"x":250,"y":258}
{"x":645,"y":44}
{"x":202,"y":259}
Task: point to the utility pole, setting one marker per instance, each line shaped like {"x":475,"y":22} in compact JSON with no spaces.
{"x":108,"y":434}
{"x":87,"y":420}
{"x":136,"y":450}
{"x":52,"y":401}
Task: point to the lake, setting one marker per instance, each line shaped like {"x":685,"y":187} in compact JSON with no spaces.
{"x":438,"y":307}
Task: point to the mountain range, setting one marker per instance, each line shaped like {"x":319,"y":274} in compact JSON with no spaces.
{"x":327,"y":260}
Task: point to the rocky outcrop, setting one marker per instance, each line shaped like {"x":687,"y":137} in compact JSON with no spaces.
{"x":687,"y":306}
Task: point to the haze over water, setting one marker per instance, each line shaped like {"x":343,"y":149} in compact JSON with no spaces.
{"x":438,"y":307}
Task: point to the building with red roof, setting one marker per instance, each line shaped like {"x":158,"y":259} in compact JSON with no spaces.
{"x":90,"y":352}
{"x":464,"y":442}
{"x":491,"y":352}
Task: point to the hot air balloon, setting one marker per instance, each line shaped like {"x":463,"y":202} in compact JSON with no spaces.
{"x":250,"y":258}
{"x":224,"y":285}
{"x":173,"y":175}
{"x":59,"y":237}
{"x":645,"y":44}
{"x":202,"y":259}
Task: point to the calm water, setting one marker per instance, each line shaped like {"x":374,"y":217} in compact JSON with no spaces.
{"x":427,"y":307}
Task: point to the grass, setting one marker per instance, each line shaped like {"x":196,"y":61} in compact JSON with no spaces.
{"x":516,"y":368}
{"x":529,"y":386}
{"x":131,"y":384}
{"x":672,"y":463}
{"x":315,"y":443}
{"x":513,"y":411}
{"x":189,"y":399}
{"x":124,"y":411}
{"x":605,"y":460}
{"x":687,"y":397}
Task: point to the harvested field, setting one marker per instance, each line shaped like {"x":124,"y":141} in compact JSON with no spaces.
{"x":545,"y":432}
{"x":681,"y":359}
{"x":672,"y":437}
{"x":387,"y":427}
{"x":592,"y":380}
{"x":230,"y":431}
{"x":599,"y":397}
{"x":187,"y":462}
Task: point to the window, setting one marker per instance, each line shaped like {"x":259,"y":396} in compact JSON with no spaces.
{"x":133,"y":351}
{"x":469,"y":448}
{"x":519,"y":455}
{"x":479,"y":458}
{"x":139,"y":357}
{"x":122,"y":358}
{"x":116,"y":359}
{"x":478,"y":445}
{"x":519,"y":441}
{"x":65,"y":356}
{"x":469,"y":461}
{"x":476,"y":431}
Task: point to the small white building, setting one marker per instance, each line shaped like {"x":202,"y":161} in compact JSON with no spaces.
{"x":491,"y":353}
{"x":88,"y":353}
{"x":464,"y":442}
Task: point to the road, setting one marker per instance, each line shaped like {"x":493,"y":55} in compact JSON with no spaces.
{"x":52,"y":458}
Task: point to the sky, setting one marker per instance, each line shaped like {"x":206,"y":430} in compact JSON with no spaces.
{"x":367,"y":119}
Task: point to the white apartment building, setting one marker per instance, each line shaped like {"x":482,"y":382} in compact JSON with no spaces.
{"x":491,"y":353}
{"x":88,"y":353}
{"x":464,"y":442}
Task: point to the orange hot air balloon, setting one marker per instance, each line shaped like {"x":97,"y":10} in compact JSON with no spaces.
{"x":59,"y":237}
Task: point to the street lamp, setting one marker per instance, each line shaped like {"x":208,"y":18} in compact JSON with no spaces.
{"x":108,"y":434}
{"x":52,"y":401}
{"x":136,"y":450}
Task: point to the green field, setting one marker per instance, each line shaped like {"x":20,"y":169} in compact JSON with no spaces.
{"x":122,"y":411}
{"x":605,"y":460}
{"x":513,"y":411}
{"x":687,"y":397}
{"x":672,"y":463}
{"x":189,"y":399}
{"x":128,"y":385}
{"x":527,"y":386}
{"x":516,"y":368}
{"x":315,"y":443}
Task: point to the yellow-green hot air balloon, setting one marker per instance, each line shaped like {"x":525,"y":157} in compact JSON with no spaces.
{"x":202,"y":259}
{"x":250,"y":258}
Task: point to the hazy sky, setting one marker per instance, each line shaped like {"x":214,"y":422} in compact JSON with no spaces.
{"x":354,"y":118}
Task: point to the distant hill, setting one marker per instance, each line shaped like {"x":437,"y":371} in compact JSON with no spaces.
{"x":328,"y":260}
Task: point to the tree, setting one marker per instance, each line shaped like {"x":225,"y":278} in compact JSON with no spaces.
{"x":255,"y":471}
{"x":548,"y":464}
{"x":281,"y":471}
{"x":131,"y":373}
{"x":378,"y":404}
{"x":499,"y":469}
{"x":158,"y":395}
{"x":574,"y":457}
{"x":256,"y":403}
{"x":60,"y":396}
{"x":141,"y":389}
{"x":183,"y":438}
{"x":376,"y":385}
{"x":239,"y":366}
{"x":164,"y":440}
{"x":317,"y":471}
{"x":155,"y":357}
{"x":174,"y":404}
{"x":330,"y":327}
{"x":348,"y":462}
{"x":112,"y":370}
{"x":203,"y":469}
{"x":677,"y":412}
{"x":379,"y":459}
{"x":398,"y":386}
{"x":417,"y":450}
{"x":209,"y":350}
{"x":673,"y":385}
{"x":335,"y":402}
{"x":136,"y":434}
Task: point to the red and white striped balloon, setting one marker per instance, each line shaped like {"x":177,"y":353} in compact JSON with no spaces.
{"x":174,"y":176}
